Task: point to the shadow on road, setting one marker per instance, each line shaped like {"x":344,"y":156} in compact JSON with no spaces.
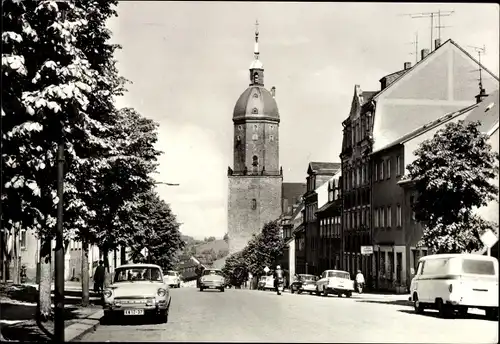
{"x":129,"y":321}
{"x":435,"y":314}
{"x":392,"y":302}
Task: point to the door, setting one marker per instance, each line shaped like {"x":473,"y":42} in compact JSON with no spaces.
{"x":322,"y":281}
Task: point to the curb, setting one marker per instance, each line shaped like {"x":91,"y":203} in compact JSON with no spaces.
{"x":77,"y":330}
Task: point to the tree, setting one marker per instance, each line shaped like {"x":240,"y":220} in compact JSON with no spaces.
{"x":226,"y":238}
{"x":452,"y":175}
{"x":157,"y":230}
{"x":235,"y":269}
{"x":46,"y":87}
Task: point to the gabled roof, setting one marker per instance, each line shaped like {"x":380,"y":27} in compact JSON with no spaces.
{"x":486,"y":112}
{"x":414,"y":68}
{"x":425,"y":128}
{"x":328,"y":168}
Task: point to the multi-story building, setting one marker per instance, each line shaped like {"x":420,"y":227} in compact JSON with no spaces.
{"x":395,"y":230}
{"x":330,"y":228}
{"x":439,"y":83}
{"x":319,"y":174}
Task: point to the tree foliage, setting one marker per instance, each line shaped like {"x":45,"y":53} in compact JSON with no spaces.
{"x":157,"y":230}
{"x":452,"y":175}
{"x":264,"y":249}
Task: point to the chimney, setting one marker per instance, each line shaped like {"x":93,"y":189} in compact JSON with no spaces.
{"x":424,"y":53}
{"x":437,"y":43}
{"x":407,"y":65}
{"x":273,"y":91}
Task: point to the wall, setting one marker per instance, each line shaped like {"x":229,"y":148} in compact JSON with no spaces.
{"x":440,"y":84}
{"x":242,"y":220}
{"x":388,"y":193}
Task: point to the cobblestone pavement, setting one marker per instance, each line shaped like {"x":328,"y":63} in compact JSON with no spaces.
{"x":257,"y":316}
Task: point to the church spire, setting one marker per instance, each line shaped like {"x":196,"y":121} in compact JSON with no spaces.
{"x":256,"y":67}
{"x":256,"y":48}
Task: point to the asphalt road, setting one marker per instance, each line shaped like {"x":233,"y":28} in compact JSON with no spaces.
{"x":258,"y":316}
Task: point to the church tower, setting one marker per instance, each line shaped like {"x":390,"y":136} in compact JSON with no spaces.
{"x":256,"y":177}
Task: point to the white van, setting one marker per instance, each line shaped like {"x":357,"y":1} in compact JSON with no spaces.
{"x":456,"y":282}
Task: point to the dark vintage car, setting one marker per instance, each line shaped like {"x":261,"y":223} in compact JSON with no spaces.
{"x":304,"y":283}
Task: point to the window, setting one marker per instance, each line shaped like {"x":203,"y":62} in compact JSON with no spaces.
{"x":363,"y":217}
{"x":255,"y":137}
{"x":412,"y":202}
{"x":353,"y":178}
{"x":478,"y":267}
{"x":255,"y":160}
{"x":436,"y":266}
{"x":23,"y":239}
{"x":381,"y":171}
{"x":367,"y":219}
{"x":389,"y":168}
{"x":254,"y":204}
{"x":398,"y":165}
{"x":389,"y":217}
{"x":238,"y":138}
{"x":255,"y":111}
{"x":398,"y":216}
{"x":375,"y":174}
{"x":377,"y":223}
{"x":240,"y":127}
{"x":271,"y":138}
{"x":382,"y":217}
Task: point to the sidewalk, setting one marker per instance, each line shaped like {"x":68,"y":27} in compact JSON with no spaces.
{"x":18,"y":307}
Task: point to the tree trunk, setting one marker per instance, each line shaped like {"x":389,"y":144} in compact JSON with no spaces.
{"x":123,"y":255}
{"x":85,"y":274}
{"x":106,"y":266}
{"x":15,"y":251}
{"x":45,"y":309}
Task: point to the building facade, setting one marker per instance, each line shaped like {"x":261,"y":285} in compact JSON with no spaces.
{"x":255,"y":181}
{"x":319,"y":175}
{"x":330,"y":228}
{"x":438,"y":84}
{"x":396,"y":233}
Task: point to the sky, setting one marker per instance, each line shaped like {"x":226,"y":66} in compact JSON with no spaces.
{"x":188,"y":63}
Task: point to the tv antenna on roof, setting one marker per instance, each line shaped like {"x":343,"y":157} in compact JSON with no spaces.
{"x":432,"y":15}
{"x":415,"y":43}
{"x":479,"y":51}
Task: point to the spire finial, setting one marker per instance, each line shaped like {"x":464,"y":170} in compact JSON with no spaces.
{"x":256,"y":48}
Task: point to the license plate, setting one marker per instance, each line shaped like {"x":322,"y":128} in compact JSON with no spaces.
{"x":134,"y":312}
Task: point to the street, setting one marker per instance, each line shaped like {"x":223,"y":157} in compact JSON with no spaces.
{"x":258,"y":316}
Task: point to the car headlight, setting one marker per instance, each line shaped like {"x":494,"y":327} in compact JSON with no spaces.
{"x":108,"y":293}
{"x":162,"y":292}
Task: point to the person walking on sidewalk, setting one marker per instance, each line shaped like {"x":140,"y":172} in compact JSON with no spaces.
{"x":99,"y":277}
{"x":360,"y":281}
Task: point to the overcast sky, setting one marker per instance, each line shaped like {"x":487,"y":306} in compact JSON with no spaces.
{"x":188,"y":62}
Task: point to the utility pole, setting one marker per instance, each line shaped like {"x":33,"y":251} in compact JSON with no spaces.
{"x":59,"y":254}
{"x":432,"y":15}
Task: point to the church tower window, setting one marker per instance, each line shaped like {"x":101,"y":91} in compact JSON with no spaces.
{"x":255,"y":137}
{"x":255,"y":111}
{"x":271,"y":138}
{"x":254,"y":204}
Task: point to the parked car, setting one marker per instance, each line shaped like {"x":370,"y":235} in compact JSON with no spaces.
{"x":172,"y":279}
{"x":303,"y":283}
{"x":336,"y":282}
{"x":267,"y":283}
{"x":137,"y":290}
{"x":212,"y":279}
{"x":456,"y":282}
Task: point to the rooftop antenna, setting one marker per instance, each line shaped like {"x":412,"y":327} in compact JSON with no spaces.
{"x":480,"y":50}
{"x":415,"y":43}
{"x":431,"y":15}
{"x":439,"y":26}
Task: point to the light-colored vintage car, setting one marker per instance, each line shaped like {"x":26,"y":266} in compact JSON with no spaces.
{"x":172,"y":279}
{"x":336,"y":282}
{"x":212,"y":279}
{"x":137,"y":289}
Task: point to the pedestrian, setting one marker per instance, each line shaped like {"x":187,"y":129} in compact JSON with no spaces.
{"x":360,"y":281}
{"x":99,"y":277}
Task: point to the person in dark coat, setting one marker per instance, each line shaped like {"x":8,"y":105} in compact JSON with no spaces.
{"x":99,"y":277}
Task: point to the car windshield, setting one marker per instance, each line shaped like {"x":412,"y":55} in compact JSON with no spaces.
{"x":307,"y":277}
{"x":137,"y":274}
{"x":339,"y":274}
{"x":212,"y":273}
{"x":171,"y":273}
